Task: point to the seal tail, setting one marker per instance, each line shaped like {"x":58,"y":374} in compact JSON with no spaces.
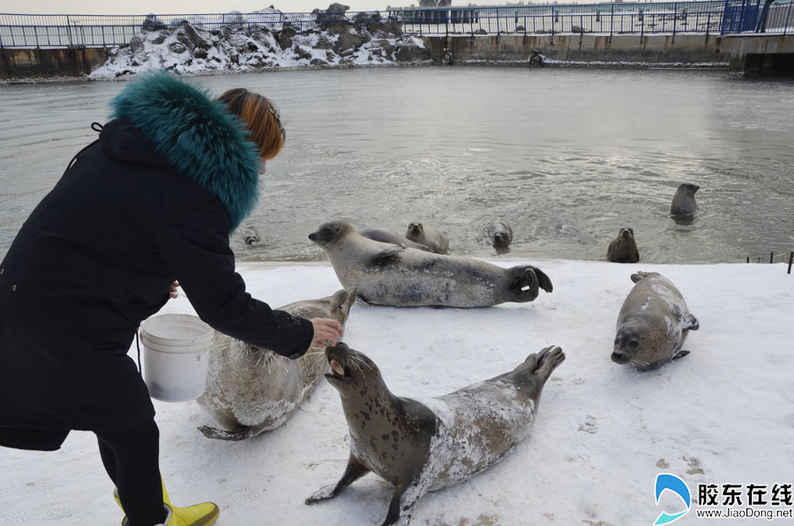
{"x":525,"y":282}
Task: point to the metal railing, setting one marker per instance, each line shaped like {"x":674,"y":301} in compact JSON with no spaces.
{"x":697,"y":16}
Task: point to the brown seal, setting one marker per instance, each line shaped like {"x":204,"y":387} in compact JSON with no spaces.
{"x":684,"y":200}
{"x":500,"y":235}
{"x":251,"y":390}
{"x":385,"y":274}
{"x":426,"y":446}
{"x":653,"y":323}
{"x":433,"y":239}
{"x":623,"y":249}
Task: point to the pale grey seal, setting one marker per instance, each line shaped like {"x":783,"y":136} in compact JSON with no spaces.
{"x":433,"y":239}
{"x":623,"y":249}
{"x":251,"y":390}
{"x":385,"y":274}
{"x":684,"y":200}
{"x":426,"y":446}
{"x":385,"y":236}
{"x":653,"y":323}
{"x":500,"y":235}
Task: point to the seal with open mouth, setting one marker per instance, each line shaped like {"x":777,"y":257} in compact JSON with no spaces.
{"x":421,"y":447}
{"x":653,"y":323}
{"x":385,"y":274}
{"x":251,"y":390}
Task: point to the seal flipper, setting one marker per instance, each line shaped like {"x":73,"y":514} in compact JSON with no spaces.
{"x":543,"y":279}
{"x":385,"y":258}
{"x":402,"y":504}
{"x":222,"y":434}
{"x":354,"y":471}
{"x":680,"y":354}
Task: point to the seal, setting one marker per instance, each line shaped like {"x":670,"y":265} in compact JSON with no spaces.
{"x":623,"y":249}
{"x":653,"y":323}
{"x":250,"y":235}
{"x":385,"y":274}
{"x":684,"y":200}
{"x":426,"y":446}
{"x":251,"y":390}
{"x":501,"y":235}
{"x":384,"y":236}
{"x":436,"y":241}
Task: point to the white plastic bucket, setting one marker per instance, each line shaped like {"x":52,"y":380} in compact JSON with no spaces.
{"x":175,"y":356}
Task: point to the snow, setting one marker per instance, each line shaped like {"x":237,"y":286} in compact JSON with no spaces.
{"x":244,"y":49}
{"x":723,"y":414}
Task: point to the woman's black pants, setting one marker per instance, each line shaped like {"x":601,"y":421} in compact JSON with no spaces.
{"x":131,"y":460}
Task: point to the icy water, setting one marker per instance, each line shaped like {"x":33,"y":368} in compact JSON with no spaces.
{"x":567,"y":157}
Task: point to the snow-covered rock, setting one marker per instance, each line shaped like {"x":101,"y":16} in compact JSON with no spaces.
{"x":187,"y":48}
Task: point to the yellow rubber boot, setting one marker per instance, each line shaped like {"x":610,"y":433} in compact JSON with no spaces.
{"x":202,"y":514}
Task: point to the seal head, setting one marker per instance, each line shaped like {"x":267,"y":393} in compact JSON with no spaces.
{"x":623,"y":249}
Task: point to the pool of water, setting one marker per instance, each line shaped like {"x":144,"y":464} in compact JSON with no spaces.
{"x":566,"y":157}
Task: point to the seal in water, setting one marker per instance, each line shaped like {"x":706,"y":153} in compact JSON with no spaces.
{"x":623,"y":249}
{"x":652,"y":324}
{"x":251,"y":390}
{"x":501,"y":235}
{"x":250,"y":236}
{"x":384,"y":274}
{"x":684,"y":200}
{"x":384,"y":236}
{"x":421,"y":447}
{"x":436,"y":241}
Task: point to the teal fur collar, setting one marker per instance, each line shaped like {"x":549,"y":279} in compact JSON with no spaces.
{"x":197,"y":136}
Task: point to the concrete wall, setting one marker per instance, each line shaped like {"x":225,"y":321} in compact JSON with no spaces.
{"x":73,"y":62}
{"x":585,"y":47}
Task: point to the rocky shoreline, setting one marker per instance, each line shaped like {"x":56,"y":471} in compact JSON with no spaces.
{"x":331,"y":41}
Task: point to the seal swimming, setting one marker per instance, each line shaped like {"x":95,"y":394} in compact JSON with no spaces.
{"x":684,"y":200}
{"x":385,"y":274}
{"x":501,"y":235}
{"x":623,"y":249}
{"x":251,"y":390}
{"x":652,"y":324}
{"x":433,"y":239}
{"x":385,"y":236}
{"x":420,"y":447}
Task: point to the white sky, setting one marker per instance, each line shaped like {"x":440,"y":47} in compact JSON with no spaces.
{"x":196,"y":6}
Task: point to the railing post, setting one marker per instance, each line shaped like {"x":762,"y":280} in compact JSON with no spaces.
{"x":552,"y":21}
{"x":69,"y":31}
{"x":498,"y":23}
{"x":36,"y":35}
{"x":611,"y":18}
{"x":785,"y":31}
{"x":675,"y":17}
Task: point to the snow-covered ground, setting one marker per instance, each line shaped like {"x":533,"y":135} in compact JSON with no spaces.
{"x":723,"y":414}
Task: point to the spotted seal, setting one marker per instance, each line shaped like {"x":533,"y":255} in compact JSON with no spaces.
{"x":623,"y":249}
{"x":385,"y":236}
{"x":653,"y":323}
{"x":426,"y":446}
{"x":251,"y":390}
{"x":433,"y":239}
{"x":384,"y":274}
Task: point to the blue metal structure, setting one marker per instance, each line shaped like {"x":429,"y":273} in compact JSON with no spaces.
{"x":695,"y":16}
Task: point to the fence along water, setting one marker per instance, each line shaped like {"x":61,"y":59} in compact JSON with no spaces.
{"x":709,"y":16}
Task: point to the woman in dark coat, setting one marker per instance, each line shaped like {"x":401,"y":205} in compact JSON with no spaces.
{"x":152,"y":201}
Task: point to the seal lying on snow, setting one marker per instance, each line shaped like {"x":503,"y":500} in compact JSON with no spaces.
{"x":384,"y":274}
{"x":425,"y":447}
{"x":251,"y":390}
{"x":384,"y":236}
{"x":434,"y":240}
{"x":652,"y":324}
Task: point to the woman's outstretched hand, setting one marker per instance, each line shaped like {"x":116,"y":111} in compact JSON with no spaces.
{"x":326,"y":332}
{"x":173,"y":293}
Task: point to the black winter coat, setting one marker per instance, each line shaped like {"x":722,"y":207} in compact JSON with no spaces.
{"x":98,"y":254}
